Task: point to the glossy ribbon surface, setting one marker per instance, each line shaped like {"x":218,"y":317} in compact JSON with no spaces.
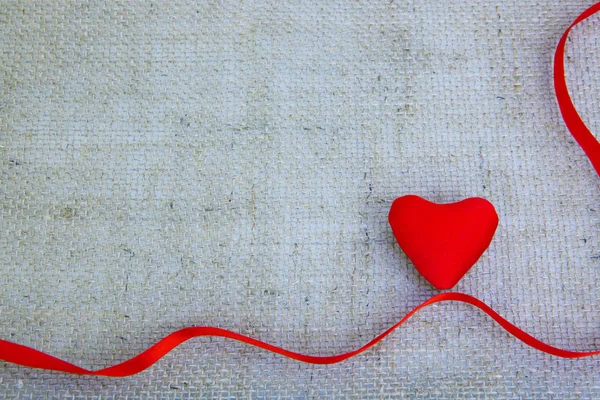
{"x":28,"y":357}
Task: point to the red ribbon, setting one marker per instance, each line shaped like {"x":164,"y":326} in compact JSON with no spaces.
{"x":578,"y":129}
{"x":28,"y":357}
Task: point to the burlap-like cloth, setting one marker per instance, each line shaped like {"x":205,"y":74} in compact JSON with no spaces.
{"x":169,"y":164}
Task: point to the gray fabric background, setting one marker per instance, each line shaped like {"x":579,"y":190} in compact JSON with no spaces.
{"x":169,"y":164}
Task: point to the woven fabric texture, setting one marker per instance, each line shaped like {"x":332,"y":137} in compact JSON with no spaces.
{"x":166,"y":164}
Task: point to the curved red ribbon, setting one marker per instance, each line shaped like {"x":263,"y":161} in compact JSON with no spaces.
{"x":28,"y":357}
{"x":578,"y":129}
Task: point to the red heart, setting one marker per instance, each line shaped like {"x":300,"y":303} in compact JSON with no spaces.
{"x":443,"y":240}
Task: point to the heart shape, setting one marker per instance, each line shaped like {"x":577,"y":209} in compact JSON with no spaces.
{"x":443,"y":240}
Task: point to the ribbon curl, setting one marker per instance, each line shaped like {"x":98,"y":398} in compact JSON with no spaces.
{"x":577,"y":127}
{"x":29,"y":357}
